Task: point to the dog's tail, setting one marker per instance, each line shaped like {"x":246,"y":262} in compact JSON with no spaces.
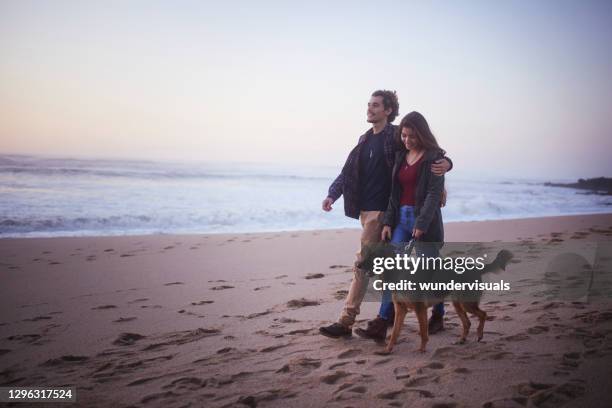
{"x":499,"y":263}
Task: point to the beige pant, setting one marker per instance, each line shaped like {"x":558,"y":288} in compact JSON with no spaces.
{"x":372,"y":224}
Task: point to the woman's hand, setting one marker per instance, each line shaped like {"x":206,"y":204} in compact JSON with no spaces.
{"x":417,"y":233}
{"x":386,"y":233}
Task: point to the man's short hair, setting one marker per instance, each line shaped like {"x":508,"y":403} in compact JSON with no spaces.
{"x":389,"y":102}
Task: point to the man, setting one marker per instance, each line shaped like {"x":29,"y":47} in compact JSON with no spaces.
{"x":365,"y":181}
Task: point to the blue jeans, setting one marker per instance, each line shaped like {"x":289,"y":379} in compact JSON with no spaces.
{"x":402,"y":233}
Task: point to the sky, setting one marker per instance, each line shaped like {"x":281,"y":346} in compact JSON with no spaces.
{"x":514,"y":88}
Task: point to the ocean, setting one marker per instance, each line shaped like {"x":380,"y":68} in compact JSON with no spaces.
{"x":49,"y":197}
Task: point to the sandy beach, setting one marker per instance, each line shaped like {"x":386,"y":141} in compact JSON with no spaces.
{"x":231,"y":320}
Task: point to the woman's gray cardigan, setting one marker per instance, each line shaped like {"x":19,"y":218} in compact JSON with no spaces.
{"x":428,"y":196}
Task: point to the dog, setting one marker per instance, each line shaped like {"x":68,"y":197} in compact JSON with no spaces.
{"x":460,"y":301}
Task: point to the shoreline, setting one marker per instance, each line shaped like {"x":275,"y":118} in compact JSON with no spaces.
{"x":194,"y":234}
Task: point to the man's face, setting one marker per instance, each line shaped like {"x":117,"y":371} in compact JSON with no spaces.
{"x":376,"y":110}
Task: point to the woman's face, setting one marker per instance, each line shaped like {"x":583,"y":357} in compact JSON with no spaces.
{"x":410,"y":139}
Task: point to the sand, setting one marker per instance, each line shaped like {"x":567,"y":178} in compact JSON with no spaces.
{"x":232,"y":320}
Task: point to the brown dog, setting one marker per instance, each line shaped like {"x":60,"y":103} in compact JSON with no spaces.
{"x":403,"y":305}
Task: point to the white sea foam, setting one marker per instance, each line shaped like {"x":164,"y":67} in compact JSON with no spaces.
{"x":70,"y":197}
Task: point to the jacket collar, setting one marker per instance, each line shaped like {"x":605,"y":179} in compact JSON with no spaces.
{"x":388,"y":129}
{"x":428,"y":155}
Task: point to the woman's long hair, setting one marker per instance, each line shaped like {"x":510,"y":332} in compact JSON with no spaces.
{"x":427,"y":141}
{"x":420,"y":127}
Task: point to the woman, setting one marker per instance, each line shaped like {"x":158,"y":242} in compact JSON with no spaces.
{"x":414,"y":208}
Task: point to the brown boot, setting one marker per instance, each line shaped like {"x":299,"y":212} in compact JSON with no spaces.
{"x":436,"y":323}
{"x":376,"y":330}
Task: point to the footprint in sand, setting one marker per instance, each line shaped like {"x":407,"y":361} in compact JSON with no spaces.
{"x":390,"y":394}
{"x":37,"y":318}
{"x":571,"y":360}
{"x":495,"y":355}
{"x":267,"y":396}
{"x":146,"y":380}
{"x":138,"y":300}
{"x":159,"y":396}
{"x":314,"y":276}
{"x":183,"y":337}
{"x":384,"y":360}
{"x":340,"y":294}
{"x":419,"y":381}
{"x":548,"y":395}
{"x":538,"y":329}
{"x":104,"y":307}
{"x":202,"y":302}
{"x":299,"y":331}
{"x":64,"y":360}
{"x":187,"y":384}
{"x":360,"y":389}
{"x":222,"y":287}
{"x":124,"y":319}
{"x":444,"y":352}
{"x":336,"y":365}
{"x":401,"y":373}
{"x":350,"y":353}
{"x":127,"y":339}
{"x":516,"y":337}
{"x":274,"y":348}
{"x":299,"y":303}
{"x":435,"y":365}
{"x":301,"y":366}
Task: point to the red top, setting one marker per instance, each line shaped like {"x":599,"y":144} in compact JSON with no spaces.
{"x":407,"y":177}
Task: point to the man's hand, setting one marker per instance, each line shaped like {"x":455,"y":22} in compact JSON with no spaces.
{"x":385,"y":235}
{"x":417,"y":233}
{"x":439,"y":167}
{"x":327,"y":204}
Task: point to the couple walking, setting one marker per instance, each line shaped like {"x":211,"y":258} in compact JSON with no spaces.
{"x":393,"y":182}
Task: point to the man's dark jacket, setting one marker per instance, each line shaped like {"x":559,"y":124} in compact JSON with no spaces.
{"x":347,"y":182}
